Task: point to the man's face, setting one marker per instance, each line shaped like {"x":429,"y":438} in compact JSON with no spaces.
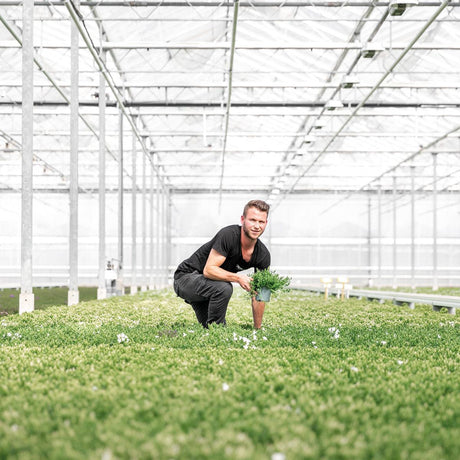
{"x":254,"y":223}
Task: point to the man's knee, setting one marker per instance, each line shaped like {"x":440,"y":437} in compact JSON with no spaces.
{"x":226,"y":289}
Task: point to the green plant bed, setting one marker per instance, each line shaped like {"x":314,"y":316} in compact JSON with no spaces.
{"x":44,"y":297}
{"x":136,"y":377}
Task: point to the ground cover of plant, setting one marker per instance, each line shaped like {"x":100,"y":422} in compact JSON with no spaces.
{"x":135,"y":377}
{"x":43,"y":297}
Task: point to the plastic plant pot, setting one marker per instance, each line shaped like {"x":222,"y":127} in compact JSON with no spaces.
{"x":263,"y":295}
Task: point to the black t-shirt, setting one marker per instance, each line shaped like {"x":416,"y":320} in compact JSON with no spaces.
{"x":227,"y":242}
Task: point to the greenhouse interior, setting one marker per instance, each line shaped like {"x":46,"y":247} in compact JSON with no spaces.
{"x":132,"y":131}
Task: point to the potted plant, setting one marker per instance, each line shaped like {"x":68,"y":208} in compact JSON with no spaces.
{"x":265,"y":282}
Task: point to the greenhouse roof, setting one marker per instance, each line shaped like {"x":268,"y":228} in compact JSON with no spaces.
{"x":277,"y":97}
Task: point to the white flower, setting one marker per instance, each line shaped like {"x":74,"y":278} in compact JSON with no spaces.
{"x":383,"y":342}
{"x":331,"y":329}
{"x":265,"y":338}
{"x":400,"y":362}
{"x":225,"y":387}
{"x":122,"y":338}
{"x":278,"y":456}
{"x":221,"y":362}
{"x":354,"y":369}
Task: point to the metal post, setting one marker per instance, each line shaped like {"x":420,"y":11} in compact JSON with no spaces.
{"x":102,"y":288}
{"x":73,"y":295}
{"x":158,"y":241}
{"x":164,"y":237}
{"x":435,"y":223}
{"x":119,"y":283}
{"x":144,"y":224}
{"x":369,"y":239}
{"x":394,"y":233}
{"x":134,"y":217}
{"x":412,"y":213}
{"x":379,"y":234}
{"x":151,"y":245}
{"x":26,"y":297}
{"x":168,"y":205}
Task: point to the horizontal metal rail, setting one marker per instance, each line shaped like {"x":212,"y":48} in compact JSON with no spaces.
{"x":398,"y":298}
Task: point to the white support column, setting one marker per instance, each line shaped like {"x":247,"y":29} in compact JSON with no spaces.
{"x":144,"y":224}
{"x":435,"y":222}
{"x":379,"y":235}
{"x":134,"y":217}
{"x":164,"y":237}
{"x":168,"y":205}
{"x":152,"y":239}
{"x":26,"y":297}
{"x":394,"y":234}
{"x":102,"y":287}
{"x":120,"y":288}
{"x":73,"y":295}
{"x":158,"y":235}
{"x":369,"y":239}
{"x":412,"y":233}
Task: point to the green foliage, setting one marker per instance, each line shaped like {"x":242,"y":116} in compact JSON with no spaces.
{"x":269,"y":279}
{"x":136,"y":377}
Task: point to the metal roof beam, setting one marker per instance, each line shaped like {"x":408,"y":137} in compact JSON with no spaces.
{"x":223,"y":3}
{"x":205,"y":104}
{"x":438,"y":11}
{"x":279,"y":46}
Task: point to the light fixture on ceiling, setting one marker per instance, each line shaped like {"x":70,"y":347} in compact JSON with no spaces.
{"x":333,"y":104}
{"x":349,"y":81}
{"x":369,"y":50}
{"x":308,"y":139}
{"x":397,"y":8}
{"x":318,"y":125}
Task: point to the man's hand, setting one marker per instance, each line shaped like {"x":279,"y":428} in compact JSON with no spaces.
{"x":244,"y":281}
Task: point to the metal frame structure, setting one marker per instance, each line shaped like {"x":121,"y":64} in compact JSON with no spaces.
{"x":279,"y":98}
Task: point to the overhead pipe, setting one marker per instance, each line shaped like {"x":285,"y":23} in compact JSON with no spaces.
{"x":53,"y":83}
{"x":376,"y":86}
{"x":75,"y":15}
{"x":103,"y":33}
{"x":394,"y":168}
{"x":229,"y":99}
{"x":280,"y":169}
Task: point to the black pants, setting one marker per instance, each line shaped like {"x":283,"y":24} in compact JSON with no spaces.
{"x":209,"y":298}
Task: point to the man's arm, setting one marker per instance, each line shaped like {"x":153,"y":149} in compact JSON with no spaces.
{"x":213,"y":271}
